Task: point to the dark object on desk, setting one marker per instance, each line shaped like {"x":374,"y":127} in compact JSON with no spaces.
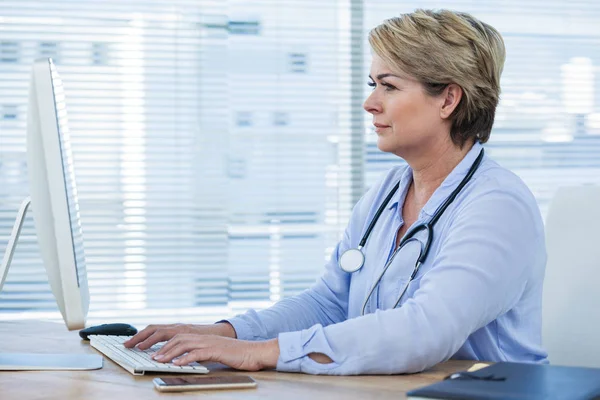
{"x":108,"y":329}
{"x":506,"y":380}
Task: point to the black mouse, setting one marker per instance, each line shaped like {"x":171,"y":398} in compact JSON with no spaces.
{"x":108,"y":329}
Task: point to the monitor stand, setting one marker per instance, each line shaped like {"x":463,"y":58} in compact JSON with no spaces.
{"x":12,"y":242}
{"x":38,"y":362}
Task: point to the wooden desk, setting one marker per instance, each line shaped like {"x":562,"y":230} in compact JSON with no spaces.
{"x":113,"y":383}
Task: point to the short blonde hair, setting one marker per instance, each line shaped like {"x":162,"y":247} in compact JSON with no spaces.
{"x":442,"y":47}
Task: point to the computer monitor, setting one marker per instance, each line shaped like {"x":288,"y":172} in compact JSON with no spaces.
{"x":53,"y":195}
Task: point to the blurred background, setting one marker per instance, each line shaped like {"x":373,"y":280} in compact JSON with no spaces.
{"x":220,"y":145}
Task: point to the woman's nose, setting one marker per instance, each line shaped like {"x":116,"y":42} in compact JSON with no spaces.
{"x":371,"y":105}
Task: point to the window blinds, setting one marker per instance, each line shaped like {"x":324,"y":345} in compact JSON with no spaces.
{"x":215,"y":149}
{"x":219,"y":146}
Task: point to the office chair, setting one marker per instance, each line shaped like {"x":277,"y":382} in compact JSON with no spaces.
{"x":571,"y":300}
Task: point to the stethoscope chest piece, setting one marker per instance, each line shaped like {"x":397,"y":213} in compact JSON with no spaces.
{"x":352,"y":260}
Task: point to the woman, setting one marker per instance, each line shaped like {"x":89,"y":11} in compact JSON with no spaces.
{"x":472,"y":292}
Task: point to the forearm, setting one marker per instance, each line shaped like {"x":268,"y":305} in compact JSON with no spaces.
{"x":267,"y":352}
{"x":293,"y":314}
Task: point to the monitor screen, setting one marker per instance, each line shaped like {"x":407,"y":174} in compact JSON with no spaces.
{"x":69,"y":176}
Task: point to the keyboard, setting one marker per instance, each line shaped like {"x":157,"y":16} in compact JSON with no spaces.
{"x":138,"y":361}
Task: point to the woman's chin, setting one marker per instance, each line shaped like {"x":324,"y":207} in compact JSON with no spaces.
{"x":398,"y":149}
{"x":385,"y":146}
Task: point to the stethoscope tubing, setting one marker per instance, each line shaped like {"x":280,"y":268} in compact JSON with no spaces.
{"x":357,"y":255}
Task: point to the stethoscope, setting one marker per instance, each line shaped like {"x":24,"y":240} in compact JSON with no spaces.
{"x":353,"y":259}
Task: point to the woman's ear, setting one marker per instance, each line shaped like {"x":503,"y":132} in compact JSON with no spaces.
{"x":452,"y":96}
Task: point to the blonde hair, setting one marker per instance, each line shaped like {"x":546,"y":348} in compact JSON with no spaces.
{"x":443,"y":47}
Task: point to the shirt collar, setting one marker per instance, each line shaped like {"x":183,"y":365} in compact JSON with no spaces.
{"x":447,"y":186}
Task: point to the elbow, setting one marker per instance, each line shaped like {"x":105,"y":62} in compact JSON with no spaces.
{"x":426,"y":345}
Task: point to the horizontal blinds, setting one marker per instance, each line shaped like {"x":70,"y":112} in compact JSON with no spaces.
{"x":219,"y":146}
{"x":215,"y":149}
{"x":292,"y":142}
{"x":547,"y":127}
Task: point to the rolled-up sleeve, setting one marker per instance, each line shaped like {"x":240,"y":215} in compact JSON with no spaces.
{"x":479,"y":272}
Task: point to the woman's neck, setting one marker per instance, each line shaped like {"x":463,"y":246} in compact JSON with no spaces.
{"x":430,"y":170}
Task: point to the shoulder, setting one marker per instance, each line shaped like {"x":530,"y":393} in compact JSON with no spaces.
{"x":493,"y":178}
{"x":497,"y":212}
{"x":501,"y":193}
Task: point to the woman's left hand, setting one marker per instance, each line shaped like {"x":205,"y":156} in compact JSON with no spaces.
{"x":238,"y":354}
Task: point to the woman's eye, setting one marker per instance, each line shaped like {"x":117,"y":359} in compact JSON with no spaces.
{"x":387,"y":86}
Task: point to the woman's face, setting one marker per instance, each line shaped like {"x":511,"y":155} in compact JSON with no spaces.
{"x":406,"y":119}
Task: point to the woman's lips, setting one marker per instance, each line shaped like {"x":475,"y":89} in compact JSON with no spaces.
{"x":380,"y":128}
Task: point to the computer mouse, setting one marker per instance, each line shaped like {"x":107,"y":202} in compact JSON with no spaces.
{"x":108,"y":329}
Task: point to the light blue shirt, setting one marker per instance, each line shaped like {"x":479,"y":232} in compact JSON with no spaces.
{"x":477,"y":296}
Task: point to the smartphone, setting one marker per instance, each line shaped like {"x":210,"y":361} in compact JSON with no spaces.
{"x":183,"y":384}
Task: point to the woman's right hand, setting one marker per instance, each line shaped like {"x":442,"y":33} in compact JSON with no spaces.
{"x":153,"y":334}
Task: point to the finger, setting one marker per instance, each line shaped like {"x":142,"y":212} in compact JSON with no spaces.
{"x":174,"y":341}
{"x":179,"y":350}
{"x":194,"y":355}
{"x":160,"y":335}
{"x":141,"y":335}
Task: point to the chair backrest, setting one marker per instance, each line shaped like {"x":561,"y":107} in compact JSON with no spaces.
{"x":571,"y":300}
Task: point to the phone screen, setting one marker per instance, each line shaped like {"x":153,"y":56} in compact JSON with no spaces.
{"x":208,"y":380}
